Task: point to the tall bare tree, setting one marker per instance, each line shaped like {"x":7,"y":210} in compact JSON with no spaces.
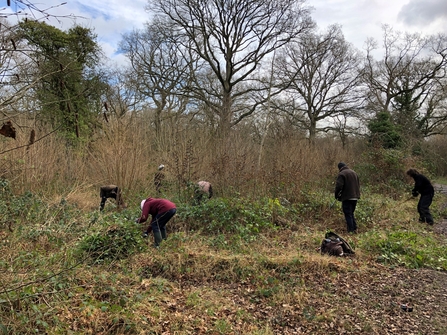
{"x":321,"y":75}
{"x":409,"y":81}
{"x":162,"y":68}
{"x":232,"y":37}
{"x":121,"y":95}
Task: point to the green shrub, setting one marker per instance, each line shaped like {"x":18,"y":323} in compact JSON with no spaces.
{"x":406,"y":248}
{"x":113,"y":242}
{"x":315,"y":203}
{"x":17,"y":208}
{"x":240,"y":216}
{"x":383,"y":170}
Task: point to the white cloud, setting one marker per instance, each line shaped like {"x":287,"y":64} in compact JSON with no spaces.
{"x":108,"y":19}
{"x":360,"y":19}
{"x":423,"y":12}
{"x":364,"y":19}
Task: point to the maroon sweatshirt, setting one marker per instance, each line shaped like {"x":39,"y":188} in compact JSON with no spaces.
{"x":155,"y":206}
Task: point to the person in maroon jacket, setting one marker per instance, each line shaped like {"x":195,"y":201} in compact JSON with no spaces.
{"x":161,"y":210}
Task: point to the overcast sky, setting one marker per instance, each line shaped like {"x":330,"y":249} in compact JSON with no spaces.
{"x":359,"y":19}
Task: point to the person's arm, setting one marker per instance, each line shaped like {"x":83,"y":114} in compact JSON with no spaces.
{"x":414,"y":191}
{"x":144,"y":213}
{"x":339,"y":184}
{"x":417,"y":186}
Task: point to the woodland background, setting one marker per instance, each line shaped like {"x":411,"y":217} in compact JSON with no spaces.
{"x":255,"y":99}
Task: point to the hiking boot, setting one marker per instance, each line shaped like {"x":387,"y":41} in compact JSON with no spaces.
{"x":157,"y":238}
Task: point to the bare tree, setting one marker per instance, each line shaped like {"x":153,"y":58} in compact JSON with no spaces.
{"x":162,"y":68}
{"x":30,"y":9}
{"x":232,"y":37}
{"x":121,"y":96}
{"x":409,"y":81}
{"x":321,"y":75}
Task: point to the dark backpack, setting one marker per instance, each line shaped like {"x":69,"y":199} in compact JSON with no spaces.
{"x":335,"y":245}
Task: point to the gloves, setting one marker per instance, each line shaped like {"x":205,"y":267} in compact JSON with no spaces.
{"x":415,"y":193}
{"x":338,"y":196}
{"x":137,"y":220}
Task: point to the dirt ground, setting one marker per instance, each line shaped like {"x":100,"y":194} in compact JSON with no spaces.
{"x":379,"y":304}
{"x":380,"y":300}
{"x":365,"y":306}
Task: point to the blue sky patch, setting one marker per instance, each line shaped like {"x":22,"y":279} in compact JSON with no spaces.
{"x":93,"y":12}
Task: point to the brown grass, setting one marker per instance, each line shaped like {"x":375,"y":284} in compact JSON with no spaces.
{"x":126,"y":153}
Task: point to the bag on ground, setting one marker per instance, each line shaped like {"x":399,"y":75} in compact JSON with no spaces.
{"x":335,"y":245}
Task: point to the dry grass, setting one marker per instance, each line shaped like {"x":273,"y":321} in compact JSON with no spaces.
{"x":124,"y":152}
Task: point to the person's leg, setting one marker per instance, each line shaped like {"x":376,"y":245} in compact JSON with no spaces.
{"x":155,"y":227}
{"x":354,"y":222}
{"x":164,"y":236}
{"x":348,"y":207}
{"x":159,"y":225}
{"x":419,"y":208}
{"x":424,"y":208}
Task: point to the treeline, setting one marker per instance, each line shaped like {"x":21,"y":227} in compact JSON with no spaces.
{"x":249,"y":81}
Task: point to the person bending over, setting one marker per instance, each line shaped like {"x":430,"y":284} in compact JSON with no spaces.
{"x":422,"y":186}
{"x":111,"y":191}
{"x":161,"y":210}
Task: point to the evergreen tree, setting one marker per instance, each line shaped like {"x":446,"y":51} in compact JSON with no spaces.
{"x":68,"y":85}
{"x":384,"y":132}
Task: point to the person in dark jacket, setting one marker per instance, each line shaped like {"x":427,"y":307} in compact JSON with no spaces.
{"x":422,"y":186}
{"x":347,"y":190}
{"x":161,"y":210}
{"x":159,"y":177}
{"x":111,"y":191}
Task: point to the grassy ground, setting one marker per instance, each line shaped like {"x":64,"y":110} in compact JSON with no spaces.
{"x":228,"y":267}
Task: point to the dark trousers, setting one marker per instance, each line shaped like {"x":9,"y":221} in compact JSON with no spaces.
{"x":424,"y":208}
{"x":104,"y":199}
{"x":348,"y":207}
{"x":158,"y":224}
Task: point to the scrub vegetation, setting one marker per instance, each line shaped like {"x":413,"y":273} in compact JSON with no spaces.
{"x":253,"y":97}
{"x":244,"y":262}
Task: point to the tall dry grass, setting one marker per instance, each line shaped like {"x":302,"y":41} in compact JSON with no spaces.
{"x":126,"y":152}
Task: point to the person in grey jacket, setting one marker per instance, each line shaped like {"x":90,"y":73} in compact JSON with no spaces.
{"x":347,"y":190}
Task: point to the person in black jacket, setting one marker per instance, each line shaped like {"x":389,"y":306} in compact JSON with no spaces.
{"x":347,"y":190}
{"x":111,"y":191}
{"x":423,"y":187}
